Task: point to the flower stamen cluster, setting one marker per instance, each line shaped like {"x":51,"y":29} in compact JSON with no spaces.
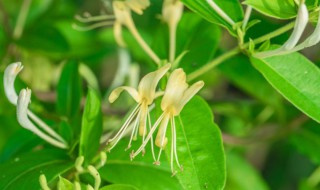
{"x":176,"y":95}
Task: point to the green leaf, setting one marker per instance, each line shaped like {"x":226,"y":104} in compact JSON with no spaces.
{"x":200,"y":148}
{"x":118,"y":187}
{"x":274,"y":8}
{"x":296,"y":78}
{"x":64,"y":184}
{"x":231,"y":7}
{"x":91,"y":127}
{"x":140,"y":172}
{"x":45,"y":39}
{"x":237,"y":168}
{"x":24,"y":171}
{"x":285,"y":9}
{"x":69,"y":90}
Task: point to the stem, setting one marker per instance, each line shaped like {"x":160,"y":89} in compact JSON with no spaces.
{"x":132,"y":28}
{"x":18,"y":30}
{"x":246,"y":17}
{"x":172,"y":34}
{"x":213,"y":64}
{"x":236,"y":50}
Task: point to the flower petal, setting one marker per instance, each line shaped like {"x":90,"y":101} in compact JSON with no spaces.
{"x":116,"y":93}
{"x":148,"y":83}
{"x":121,"y":12}
{"x":10,"y":75}
{"x":188,"y":94}
{"x":175,"y":88}
{"x":138,"y":5}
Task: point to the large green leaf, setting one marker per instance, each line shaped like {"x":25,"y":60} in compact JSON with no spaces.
{"x":91,"y":127}
{"x":69,"y":90}
{"x":281,"y":9}
{"x":24,"y":171}
{"x":45,"y":39}
{"x":140,"y":172}
{"x":296,"y":78}
{"x":200,"y":148}
{"x":231,"y":7}
{"x":237,"y":168}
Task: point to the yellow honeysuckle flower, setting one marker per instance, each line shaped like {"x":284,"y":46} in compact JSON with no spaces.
{"x":176,"y":96}
{"x":144,"y":96}
{"x":138,"y":5}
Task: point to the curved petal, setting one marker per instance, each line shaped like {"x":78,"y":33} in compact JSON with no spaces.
{"x":148,"y":83}
{"x":10,"y":75}
{"x":301,"y":23}
{"x":116,"y":93}
{"x":188,"y":94}
{"x":174,"y":91}
{"x":138,"y":5}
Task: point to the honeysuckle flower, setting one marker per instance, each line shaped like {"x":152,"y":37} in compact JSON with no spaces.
{"x":137,"y":5}
{"x":22,"y":109}
{"x":122,"y":12}
{"x":299,"y":27}
{"x":171,"y":13}
{"x":10,"y":75}
{"x":177,"y":94}
{"x":144,"y":97}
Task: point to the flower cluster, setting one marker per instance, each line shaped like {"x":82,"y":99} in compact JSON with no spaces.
{"x":23,"y":113}
{"x":175,"y":97}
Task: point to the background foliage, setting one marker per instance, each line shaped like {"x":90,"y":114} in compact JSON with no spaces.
{"x":264,"y":133}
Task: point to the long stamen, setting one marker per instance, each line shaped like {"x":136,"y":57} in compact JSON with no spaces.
{"x":173,"y":125}
{"x":152,"y":148}
{"x":172,"y":146}
{"x":117,"y":137}
{"x":93,"y":26}
{"x":93,"y":18}
{"x":134,"y":154}
{"x":157,"y":162}
{"x":22,"y":107}
{"x":44,"y":126}
{"x":161,"y":139}
{"x":135,"y":126}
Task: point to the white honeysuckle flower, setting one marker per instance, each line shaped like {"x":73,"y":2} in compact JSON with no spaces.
{"x":10,"y":75}
{"x":144,"y":97}
{"x":176,"y":96}
{"x":122,"y":12}
{"x":299,"y":27}
{"x":22,"y":116}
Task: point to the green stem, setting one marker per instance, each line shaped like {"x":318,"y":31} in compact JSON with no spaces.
{"x":237,"y":50}
{"x":18,"y":30}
